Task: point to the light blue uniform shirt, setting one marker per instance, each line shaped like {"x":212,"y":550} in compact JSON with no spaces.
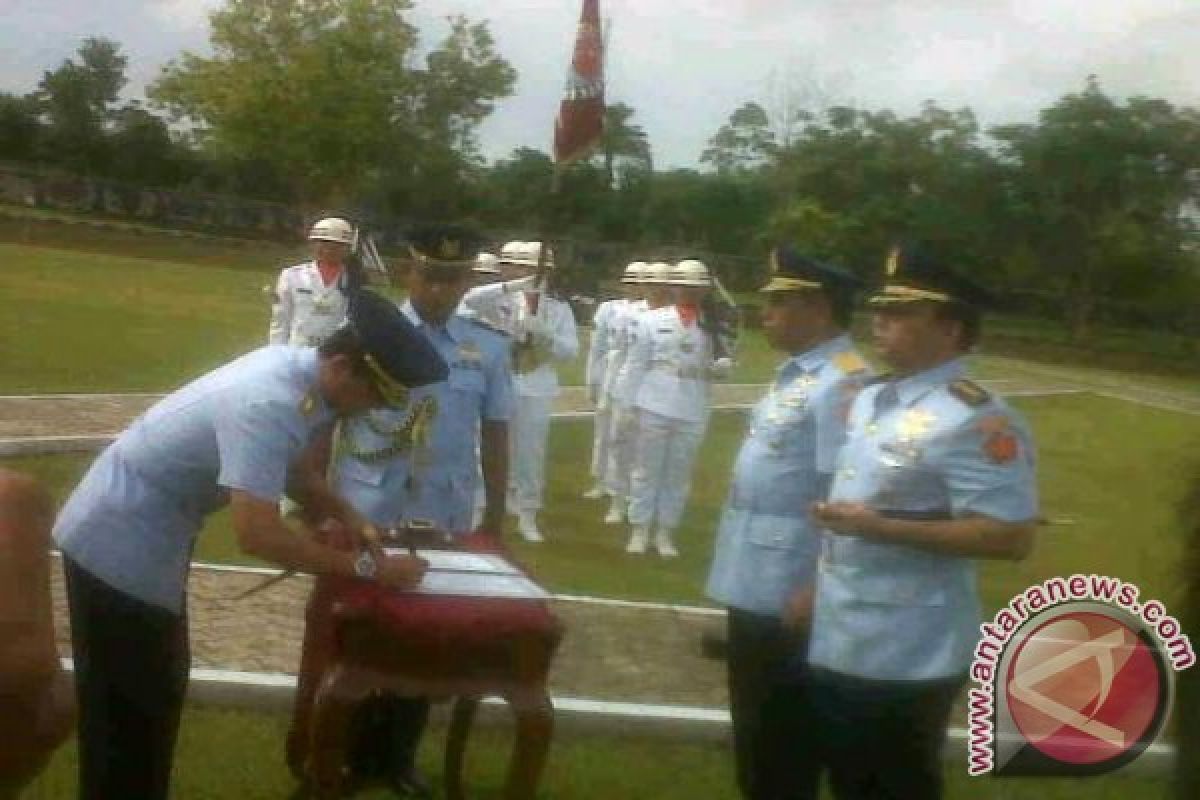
{"x":893,"y":612}
{"x":435,"y":483}
{"x":766,"y":544}
{"x":133,"y":519}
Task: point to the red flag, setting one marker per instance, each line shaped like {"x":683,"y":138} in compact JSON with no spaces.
{"x":581,"y":115}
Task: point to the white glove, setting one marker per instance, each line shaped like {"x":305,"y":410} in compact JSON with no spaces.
{"x":722,"y":367}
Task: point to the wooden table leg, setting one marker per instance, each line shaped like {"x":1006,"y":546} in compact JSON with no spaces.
{"x":333,"y":709}
{"x":461,"y":718}
{"x":535,"y":723}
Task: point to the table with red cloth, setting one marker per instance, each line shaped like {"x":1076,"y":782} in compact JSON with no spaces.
{"x":362,"y":639}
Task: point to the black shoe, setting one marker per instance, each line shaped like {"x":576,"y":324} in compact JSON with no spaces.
{"x":410,"y":783}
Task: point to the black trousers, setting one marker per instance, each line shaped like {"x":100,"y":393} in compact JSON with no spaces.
{"x":387,"y":731}
{"x":771,"y":725}
{"x":131,"y":672}
{"x":882,"y":740}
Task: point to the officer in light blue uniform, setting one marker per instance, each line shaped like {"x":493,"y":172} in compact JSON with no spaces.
{"x":421,"y":461}
{"x":235,"y":436}
{"x":935,"y":474}
{"x":766,"y":553}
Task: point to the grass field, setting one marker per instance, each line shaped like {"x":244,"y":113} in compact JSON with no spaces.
{"x":224,"y":754}
{"x":1110,"y":518}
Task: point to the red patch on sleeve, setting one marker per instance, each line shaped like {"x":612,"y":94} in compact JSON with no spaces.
{"x":999,"y":443}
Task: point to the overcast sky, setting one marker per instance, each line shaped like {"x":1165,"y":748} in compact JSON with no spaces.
{"x":685,"y":64}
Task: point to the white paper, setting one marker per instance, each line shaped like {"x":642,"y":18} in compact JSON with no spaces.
{"x":458,"y":561}
{"x":478,"y":584}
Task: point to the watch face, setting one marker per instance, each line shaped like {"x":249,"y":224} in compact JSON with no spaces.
{"x":364,"y":565}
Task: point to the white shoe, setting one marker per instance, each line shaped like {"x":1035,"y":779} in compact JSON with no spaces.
{"x":616,"y":512}
{"x":527,"y":526}
{"x":594,"y":493}
{"x":637,"y":542}
{"x":664,"y":545}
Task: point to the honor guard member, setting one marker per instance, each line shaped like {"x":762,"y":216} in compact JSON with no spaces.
{"x":765,"y":562}
{"x":601,"y":352}
{"x":486,"y":269}
{"x":311,"y":299}
{"x":622,"y":441}
{"x":936,"y":473}
{"x":671,"y":364}
{"x":232,"y":437}
{"x":544,"y":335}
{"x":420,"y":462}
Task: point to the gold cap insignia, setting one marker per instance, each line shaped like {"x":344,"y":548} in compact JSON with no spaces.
{"x":449,"y":249}
{"x":893,"y":262}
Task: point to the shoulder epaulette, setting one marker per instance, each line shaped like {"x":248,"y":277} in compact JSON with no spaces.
{"x":969,"y":392}
{"x":877,"y":379}
{"x":487,"y":326}
{"x":849,"y":362}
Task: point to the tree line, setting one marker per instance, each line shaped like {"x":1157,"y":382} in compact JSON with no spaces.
{"x":1089,"y":212}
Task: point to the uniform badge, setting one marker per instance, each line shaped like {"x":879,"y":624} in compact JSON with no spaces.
{"x":469,"y":355}
{"x":914,"y":424}
{"x":849,"y":362}
{"x":308,"y":403}
{"x":999,"y":443}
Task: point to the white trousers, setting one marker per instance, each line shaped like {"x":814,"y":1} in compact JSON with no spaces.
{"x":622,"y":442}
{"x":662,"y":468}
{"x":601,"y":436}
{"x":527,"y":434}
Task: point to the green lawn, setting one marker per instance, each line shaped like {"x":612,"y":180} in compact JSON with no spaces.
{"x":224,"y":754}
{"x":1113,"y":519}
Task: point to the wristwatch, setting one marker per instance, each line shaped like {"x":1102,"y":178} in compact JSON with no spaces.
{"x":365,"y":565}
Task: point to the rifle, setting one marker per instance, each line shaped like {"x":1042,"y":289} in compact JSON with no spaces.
{"x":723,"y":318}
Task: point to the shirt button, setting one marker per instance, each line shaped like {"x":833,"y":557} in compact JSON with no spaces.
{"x":849,"y":472}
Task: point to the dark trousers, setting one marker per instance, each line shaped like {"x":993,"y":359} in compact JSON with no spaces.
{"x":771,"y":728}
{"x":388,"y":730}
{"x":131,"y":672}
{"x":882,"y":740}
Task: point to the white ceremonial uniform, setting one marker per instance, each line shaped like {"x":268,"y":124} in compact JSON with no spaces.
{"x":306,"y":311}
{"x":669,"y":371}
{"x":622,"y":440}
{"x":541,"y":338}
{"x":599,"y":347}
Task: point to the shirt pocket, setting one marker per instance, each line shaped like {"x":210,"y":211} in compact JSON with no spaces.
{"x":884,"y":575}
{"x":357,"y":470}
{"x":466,"y":380}
{"x":778,"y":533}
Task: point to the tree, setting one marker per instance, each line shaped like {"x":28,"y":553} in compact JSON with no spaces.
{"x":142,"y":151}
{"x":76,"y":100}
{"x":744,"y":142}
{"x":325,"y":93}
{"x":623,"y":144}
{"x":1098,"y":189}
{"x":19,"y":127}
{"x":884,"y":178}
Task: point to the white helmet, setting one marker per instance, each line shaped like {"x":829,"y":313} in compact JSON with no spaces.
{"x":690,"y":272}
{"x":533,"y":254}
{"x":635,"y":272}
{"x":658,"y":272}
{"x":486,"y":264}
{"x":512,"y":253}
{"x":332,"y":229}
